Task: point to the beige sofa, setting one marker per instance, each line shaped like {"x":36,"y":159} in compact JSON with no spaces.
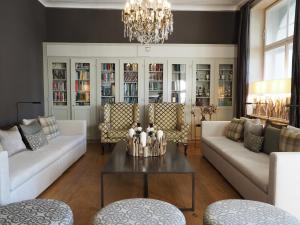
{"x":256,"y":176}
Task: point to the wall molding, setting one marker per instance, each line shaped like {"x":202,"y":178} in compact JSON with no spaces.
{"x":175,"y":7}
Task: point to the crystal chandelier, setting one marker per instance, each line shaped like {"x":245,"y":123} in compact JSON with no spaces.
{"x":147,"y":21}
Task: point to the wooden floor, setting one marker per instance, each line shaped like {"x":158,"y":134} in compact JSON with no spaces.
{"x":80,"y":186}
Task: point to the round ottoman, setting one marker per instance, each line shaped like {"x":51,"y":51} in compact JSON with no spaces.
{"x":36,"y":212}
{"x":240,"y":212}
{"x":139,"y":212}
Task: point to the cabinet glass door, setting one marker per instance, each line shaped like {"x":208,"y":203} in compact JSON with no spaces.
{"x":156,"y":83}
{"x":82,"y":84}
{"x":108,"y":83}
{"x":59,"y":84}
{"x":131,"y":82}
{"x":178,"y":93}
{"x":225,"y":84}
{"x":203,"y":85}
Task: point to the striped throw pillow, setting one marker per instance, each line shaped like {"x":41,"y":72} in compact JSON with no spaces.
{"x":50,"y":127}
{"x":235,"y":129}
{"x":289,"y":141}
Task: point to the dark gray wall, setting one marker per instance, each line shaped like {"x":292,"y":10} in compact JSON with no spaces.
{"x":105,"y":26}
{"x":23,"y":29}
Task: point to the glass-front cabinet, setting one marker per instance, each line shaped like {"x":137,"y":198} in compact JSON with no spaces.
{"x":59,"y":84}
{"x":156,"y":81}
{"x":225,"y":85}
{"x":131,"y":82}
{"x":83,"y":86}
{"x":179,"y":83}
{"x":202,"y":84}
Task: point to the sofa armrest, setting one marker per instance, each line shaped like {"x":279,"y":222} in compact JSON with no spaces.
{"x":284,"y":181}
{"x":72,"y":127}
{"x":4,"y":178}
{"x":213,"y":128}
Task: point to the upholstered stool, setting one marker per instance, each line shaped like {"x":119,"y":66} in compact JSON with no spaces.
{"x":140,"y":211}
{"x":238,"y":212}
{"x":36,"y":212}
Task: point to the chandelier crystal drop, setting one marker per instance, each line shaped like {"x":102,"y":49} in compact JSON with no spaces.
{"x":147,"y":21}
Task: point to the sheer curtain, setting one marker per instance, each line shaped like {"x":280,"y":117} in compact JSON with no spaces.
{"x":295,"y":98}
{"x":243,"y":60}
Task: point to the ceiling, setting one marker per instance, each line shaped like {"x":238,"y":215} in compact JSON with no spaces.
{"x":191,"y":5}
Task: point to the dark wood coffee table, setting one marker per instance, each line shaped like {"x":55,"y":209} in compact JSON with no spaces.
{"x":173,"y":162}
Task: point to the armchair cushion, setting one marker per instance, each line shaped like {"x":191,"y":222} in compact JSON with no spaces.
{"x":117,"y":134}
{"x":166,"y":116}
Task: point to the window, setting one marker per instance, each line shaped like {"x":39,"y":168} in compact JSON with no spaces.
{"x":279,"y":31}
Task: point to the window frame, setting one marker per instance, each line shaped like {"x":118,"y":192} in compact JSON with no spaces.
{"x":281,"y":43}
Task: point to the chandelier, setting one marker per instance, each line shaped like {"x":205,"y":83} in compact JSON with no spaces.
{"x":147,"y":21}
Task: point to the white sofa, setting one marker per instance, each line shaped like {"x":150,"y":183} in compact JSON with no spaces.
{"x":271,"y":178}
{"x":27,"y":174}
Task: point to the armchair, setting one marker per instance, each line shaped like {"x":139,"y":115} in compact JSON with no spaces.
{"x":169,"y":117}
{"x":118,"y":119}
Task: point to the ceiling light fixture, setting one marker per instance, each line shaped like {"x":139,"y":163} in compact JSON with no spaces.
{"x":147,"y":21}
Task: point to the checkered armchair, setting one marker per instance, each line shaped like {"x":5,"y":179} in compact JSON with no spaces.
{"x":118,"y":119}
{"x":169,"y":117}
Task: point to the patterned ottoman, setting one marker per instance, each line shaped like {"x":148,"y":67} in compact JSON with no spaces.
{"x":140,"y":212}
{"x":36,"y":212}
{"x":240,"y":212}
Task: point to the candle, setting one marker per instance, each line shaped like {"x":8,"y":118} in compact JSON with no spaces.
{"x":131,"y":132}
{"x":160,"y":134}
{"x":143,"y":139}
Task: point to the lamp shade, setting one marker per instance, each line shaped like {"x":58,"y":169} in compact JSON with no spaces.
{"x":271,"y":87}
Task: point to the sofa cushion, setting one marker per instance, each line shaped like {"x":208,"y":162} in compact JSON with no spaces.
{"x":49,"y":126}
{"x":253,"y":165}
{"x":235,"y":129}
{"x":34,"y":135}
{"x":289,"y":140}
{"x":24,"y":165}
{"x":271,"y":141}
{"x":11,"y":141}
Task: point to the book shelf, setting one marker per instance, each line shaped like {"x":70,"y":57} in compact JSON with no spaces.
{"x":203,"y":84}
{"x":131,"y":82}
{"x":59,"y":84}
{"x":225,"y":83}
{"x":178,"y":93}
{"x":156,"y":82}
{"x":108,"y":83}
{"x":82,"y":84}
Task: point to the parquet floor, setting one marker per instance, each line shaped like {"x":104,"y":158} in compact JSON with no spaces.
{"x":80,"y":186}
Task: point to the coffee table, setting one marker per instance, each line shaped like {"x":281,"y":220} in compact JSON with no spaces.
{"x":173,"y":162}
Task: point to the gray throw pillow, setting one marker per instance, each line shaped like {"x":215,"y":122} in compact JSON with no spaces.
{"x":271,"y":142}
{"x":34,"y":135}
{"x":11,"y":141}
{"x":253,"y":142}
{"x":253,"y":127}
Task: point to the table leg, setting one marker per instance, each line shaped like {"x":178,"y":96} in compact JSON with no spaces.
{"x":146,"y":194}
{"x":102,"y":191}
{"x":193,"y":191}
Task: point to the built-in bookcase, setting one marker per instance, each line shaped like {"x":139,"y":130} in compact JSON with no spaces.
{"x":131,"y":79}
{"x":108,"y":83}
{"x":59,"y":87}
{"x":179,"y":83}
{"x":83,"y":87}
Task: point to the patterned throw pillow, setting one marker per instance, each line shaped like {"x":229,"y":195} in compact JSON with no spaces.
{"x":289,"y":141}
{"x":34,"y":135}
{"x":253,"y":142}
{"x":49,"y":126}
{"x":235,"y":129}
{"x":11,"y":141}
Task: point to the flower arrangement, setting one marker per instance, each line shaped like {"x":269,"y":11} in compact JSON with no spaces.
{"x":207,"y":110}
